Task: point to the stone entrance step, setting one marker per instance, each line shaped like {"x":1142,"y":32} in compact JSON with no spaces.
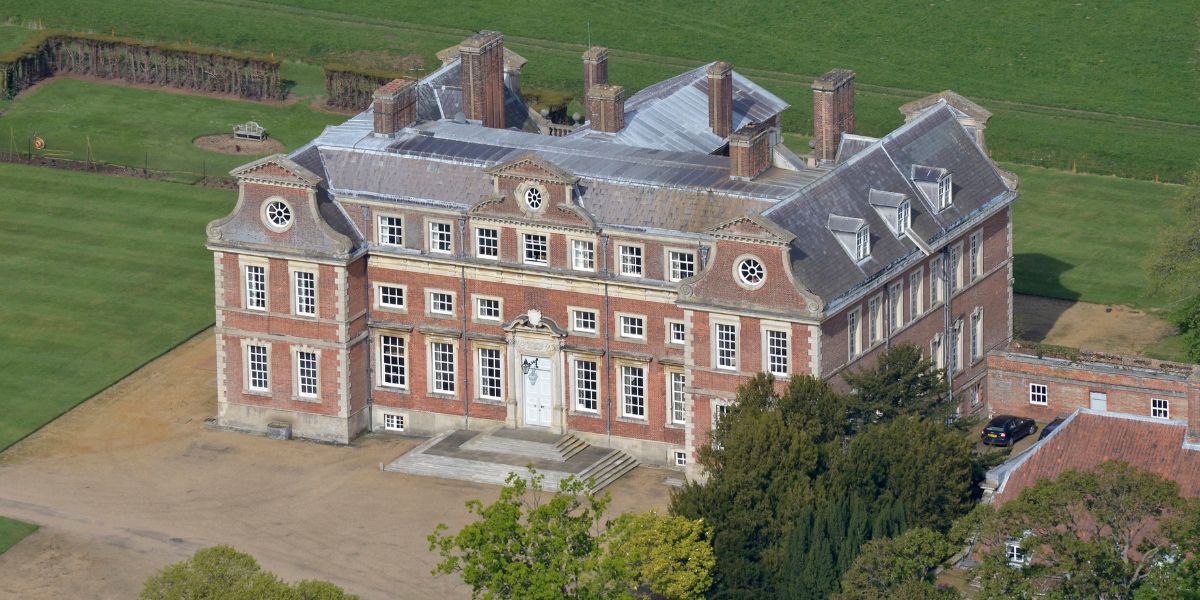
{"x":569,"y":445}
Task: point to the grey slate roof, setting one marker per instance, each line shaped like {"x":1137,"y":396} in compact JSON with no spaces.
{"x":673,"y":114}
{"x":935,"y":138}
{"x":851,"y":145}
{"x":439,"y":96}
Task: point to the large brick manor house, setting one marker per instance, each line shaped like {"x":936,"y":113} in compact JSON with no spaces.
{"x":449,"y":259}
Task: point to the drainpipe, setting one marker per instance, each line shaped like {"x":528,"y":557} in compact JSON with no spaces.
{"x":463,"y":306}
{"x":369,"y":350}
{"x":608,"y":383}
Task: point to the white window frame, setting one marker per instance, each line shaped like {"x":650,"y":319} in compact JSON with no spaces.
{"x":248,"y":362}
{"x":720,"y":408}
{"x":680,"y":457}
{"x":627,"y":266}
{"x":389,"y":234}
{"x":401,"y":359}
{"x":583,"y":255}
{"x":945,"y":192}
{"x":481,"y":375}
{"x":903,"y":217}
{"x":956,"y":347}
{"x":529,"y":243}
{"x":627,"y":323}
{"x":393,"y":422}
{"x":671,"y":326}
{"x":935,"y":281}
{"x":732,"y":354}
{"x":895,"y":318}
{"x":771,"y":358}
{"x":976,"y":255}
{"x":380,"y":295}
{"x":629,"y":384}
{"x":254,"y":292}
{"x":976,"y":334}
{"x":862,"y":243}
{"x":436,"y":351}
{"x":875,"y":323}
{"x":434,"y":238}
{"x":1039,"y":394}
{"x":916,"y":295}
{"x":593,"y":387}
{"x":299,"y":374}
{"x":299,"y":297}
{"x":676,"y":397}
{"x":480,"y":246}
{"x":675,"y":260}
{"x":956,"y":267}
{"x":429,"y":302}
{"x":1160,"y":408}
{"x":575,"y":313}
{"x":937,"y":352}
{"x":854,"y":333}
{"x":479,"y":312}
{"x":1014,"y":554}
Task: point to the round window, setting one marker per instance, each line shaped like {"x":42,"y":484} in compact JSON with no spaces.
{"x":751,"y":272}
{"x":279,"y":214}
{"x":533,"y":198}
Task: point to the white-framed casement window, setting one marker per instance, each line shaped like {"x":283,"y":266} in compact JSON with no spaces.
{"x":633,"y":391}
{"x":1015,"y":554}
{"x":393,"y":422}
{"x":681,"y":264}
{"x":487,"y":243}
{"x":778,"y":352}
{"x":490,"y":374}
{"x":306,"y":374}
{"x":676,"y":385}
{"x":676,"y":332}
{"x":304,"y":293}
{"x":935,"y":282}
{"x":680,"y":458}
{"x":875,"y":320}
{"x":633,"y":326}
{"x":945,"y":192}
{"x":258,"y":370}
{"x":854,"y":332}
{"x":956,"y":346}
{"x":391,"y":230}
{"x":256,"y":286}
{"x":936,"y":353}
{"x":441,"y":237}
{"x":1039,"y":394}
{"x":1160,"y":408}
{"x":725,"y":339}
{"x":862,"y":243}
{"x":441,"y":303}
{"x":976,"y":259}
{"x":719,"y":411}
{"x":976,"y":394}
{"x":586,"y":377}
{"x":630,"y":260}
{"x":583,"y":320}
{"x":895,"y":306}
{"x":977,"y":334}
{"x":583,"y":255}
{"x":390,"y":296}
{"x":956,"y":271}
{"x":536,"y":248}
{"x":903,"y":217}
{"x":393,"y":363}
{"x":488,"y":308}
{"x":442,"y":377}
{"x":916,"y":299}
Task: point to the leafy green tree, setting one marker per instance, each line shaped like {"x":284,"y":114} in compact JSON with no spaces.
{"x":1089,"y":534}
{"x":901,"y":383}
{"x":222,"y":573}
{"x":668,"y":556}
{"x":891,"y":567}
{"x":1174,"y":263}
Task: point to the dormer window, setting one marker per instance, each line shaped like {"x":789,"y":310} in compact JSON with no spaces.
{"x":903,"y":217}
{"x":935,"y":185}
{"x":895,"y":210}
{"x":862,"y":243}
{"x":945,"y":195}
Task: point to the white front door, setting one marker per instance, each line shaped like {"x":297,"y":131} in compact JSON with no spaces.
{"x":537,"y":390}
{"x":1099,"y":401}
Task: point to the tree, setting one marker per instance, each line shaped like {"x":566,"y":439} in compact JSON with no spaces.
{"x":897,"y":567}
{"x":1174,"y":264}
{"x":1089,"y":534}
{"x":901,"y":383}
{"x":222,"y":573}
{"x":526,"y":546}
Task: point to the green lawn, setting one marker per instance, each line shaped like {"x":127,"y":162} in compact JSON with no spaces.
{"x":13,"y":531}
{"x":137,"y":127}
{"x":11,"y":36}
{"x":1134,"y":61}
{"x":101,"y":275}
{"x":1086,"y":237}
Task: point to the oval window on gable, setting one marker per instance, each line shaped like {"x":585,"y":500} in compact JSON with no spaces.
{"x":751,"y":272}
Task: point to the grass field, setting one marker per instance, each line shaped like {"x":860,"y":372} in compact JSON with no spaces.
{"x":102,"y":274}
{"x":134,"y":126}
{"x":13,"y":531}
{"x":1034,"y":64}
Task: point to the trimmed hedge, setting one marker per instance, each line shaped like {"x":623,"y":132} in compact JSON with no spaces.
{"x":350,"y":88}
{"x":186,"y":67}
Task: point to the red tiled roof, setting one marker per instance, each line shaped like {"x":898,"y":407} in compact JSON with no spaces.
{"x":1087,"y":439}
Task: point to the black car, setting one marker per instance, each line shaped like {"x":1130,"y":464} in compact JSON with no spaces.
{"x":1051,"y":426}
{"x":1006,"y":430}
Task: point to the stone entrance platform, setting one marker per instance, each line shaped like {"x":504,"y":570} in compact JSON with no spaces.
{"x":488,"y":457}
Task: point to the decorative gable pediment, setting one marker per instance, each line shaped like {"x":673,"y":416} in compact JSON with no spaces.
{"x":534,"y":167}
{"x":276,"y":169}
{"x":752,"y":228}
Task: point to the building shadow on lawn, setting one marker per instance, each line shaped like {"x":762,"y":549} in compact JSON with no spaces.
{"x":1039,"y":275}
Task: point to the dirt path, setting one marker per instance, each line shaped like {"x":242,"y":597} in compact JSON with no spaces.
{"x":1100,"y":327}
{"x":132,"y":480}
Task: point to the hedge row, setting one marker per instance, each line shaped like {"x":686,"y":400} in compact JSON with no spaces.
{"x":172,"y":65}
{"x":350,"y":88}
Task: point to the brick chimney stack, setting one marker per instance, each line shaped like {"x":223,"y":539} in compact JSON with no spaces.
{"x":833,"y":112}
{"x":483,"y":78}
{"x":720,"y":98}
{"x":395,"y":106}
{"x":750,"y":151}
{"x":606,"y":107}
{"x":595,"y":68}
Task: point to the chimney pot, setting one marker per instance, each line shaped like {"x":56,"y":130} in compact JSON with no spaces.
{"x":720,"y":98}
{"x":394,"y":106}
{"x":595,"y":68}
{"x":483,"y":78}
{"x":833,"y":111}
{"x":606,"y":108}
